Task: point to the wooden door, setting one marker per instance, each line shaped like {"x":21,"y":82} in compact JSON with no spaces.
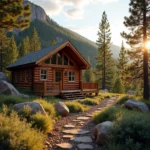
{"x":59,"y":79}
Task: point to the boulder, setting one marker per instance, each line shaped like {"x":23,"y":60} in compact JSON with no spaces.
{"x":136,"y":105}
{"x":62,"y":109}
{"x":101,"y":131}
{"x":7,"y":88}
{"x":104,"y":91}
{"x":3,"y":77}
{"x":131,"y":92}
{"x":35,"y":107}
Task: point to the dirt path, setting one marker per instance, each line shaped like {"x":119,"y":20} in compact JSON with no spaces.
{"x":74,"y":132}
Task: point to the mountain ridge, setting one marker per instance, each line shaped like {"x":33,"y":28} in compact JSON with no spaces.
{"x":49,"y":30}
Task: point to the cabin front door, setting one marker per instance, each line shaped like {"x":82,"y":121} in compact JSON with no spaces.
{"x":59,"y":79}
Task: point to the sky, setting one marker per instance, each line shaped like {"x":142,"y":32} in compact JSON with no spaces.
{"x":84,"y":16}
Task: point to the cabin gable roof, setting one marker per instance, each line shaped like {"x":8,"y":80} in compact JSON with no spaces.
{"x":40,"y":55}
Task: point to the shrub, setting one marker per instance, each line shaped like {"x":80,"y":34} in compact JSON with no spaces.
{"x":75,"y":107}
{"x":49,"y":108}
{"x":131,"y":130}
{"x":41,"y":122}
{"x":124,"y":98}
{"x":108,"y":114}
{"x":90,"y":102}
{"x":18,"y":135}
{"x":11,"y":100}
{"x":147,"y":102}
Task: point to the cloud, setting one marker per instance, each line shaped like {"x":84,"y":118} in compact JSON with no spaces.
{"x":75,"y":8}
{"x":74,"y":13}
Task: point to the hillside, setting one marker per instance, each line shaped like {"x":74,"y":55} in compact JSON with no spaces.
{"x":49,"y":30}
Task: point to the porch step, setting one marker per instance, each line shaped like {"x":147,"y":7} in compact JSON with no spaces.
{"x":72,"y":95}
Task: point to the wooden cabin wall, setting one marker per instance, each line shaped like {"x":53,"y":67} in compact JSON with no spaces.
{"x":20,"y":75}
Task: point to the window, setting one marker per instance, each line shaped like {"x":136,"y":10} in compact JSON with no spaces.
{"x":71,"y":63}
{"x":26,"y":76}
{"x":65,"y":60}
{"x":71,"y":76}
{"x":47,"y":61}
{"x":43,"y":74}
{"x":59,"y":56}
{"x":54,"y":59}
{"x":57,"y":76}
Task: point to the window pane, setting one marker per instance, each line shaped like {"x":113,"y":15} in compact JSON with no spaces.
{"x":54,"y":59}
{"x":47,"y":61}
{"x":65,"y":60}
{"x":59,"y":55}
{"x":71,"y":63}
{"x":43,"y":74}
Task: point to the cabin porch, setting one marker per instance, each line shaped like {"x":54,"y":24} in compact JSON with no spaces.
{"x":43,"y":88}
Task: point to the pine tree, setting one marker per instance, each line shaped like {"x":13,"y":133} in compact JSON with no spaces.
{"x":118,"y":86}
{"x":122,"y":63}
{"x":89,"y":75}
{"x":104,"y":66}
{"x":4,"y":41}
{"x":137,"y":24}
{"x":53,"y":42}
{"x":14,"y":15}
{"x":35,"y":42}
{"x":12,"y":53}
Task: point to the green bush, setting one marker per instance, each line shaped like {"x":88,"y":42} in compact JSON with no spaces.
{"x":49,"y":108}
{"x":75,"y":107}
{"x":124,"y":98}
{"x":90,"y":102}
{"x":18,"y":135}
{"x":131,"y":130}
{"x":11,"y":100}
{"x":41,"y":122}
{"x":107,"y":114}
{"x":147,"y":102}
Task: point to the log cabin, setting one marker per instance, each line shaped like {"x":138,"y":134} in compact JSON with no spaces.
{"x":55,"y":70}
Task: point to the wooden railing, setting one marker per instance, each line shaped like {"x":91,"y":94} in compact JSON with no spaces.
{"x":88,"y":85}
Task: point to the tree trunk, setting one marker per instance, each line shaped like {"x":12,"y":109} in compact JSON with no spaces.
{"x":145,"y":55}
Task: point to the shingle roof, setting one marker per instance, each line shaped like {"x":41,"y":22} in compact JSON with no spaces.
{"x":34,"y":56}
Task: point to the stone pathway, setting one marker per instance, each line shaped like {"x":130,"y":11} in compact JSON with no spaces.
{"x":74,"y":132}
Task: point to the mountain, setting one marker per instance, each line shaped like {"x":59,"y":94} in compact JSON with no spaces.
{"x":49,"y":30}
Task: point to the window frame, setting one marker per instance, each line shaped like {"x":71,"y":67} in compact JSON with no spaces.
{"x":43,"y":74}
{"x":72,"y":75}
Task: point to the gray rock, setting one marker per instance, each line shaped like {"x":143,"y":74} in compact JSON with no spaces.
{"x":85,"y":146}
{"x":76,"y":131}
{"x":9,"y":89}
{"x":101,"y":131}
{"x":136,"y":105}
{"x":131,"y":92}
{"x":64,"y":145}
{"x":62,"y":108}
{"x":35,"y":107}
{"x":3,"y":77}
{"x":83,"y":139}
{"x":104,"y":91}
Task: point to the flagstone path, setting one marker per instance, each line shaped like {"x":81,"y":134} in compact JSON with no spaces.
{"x":74,"y":131}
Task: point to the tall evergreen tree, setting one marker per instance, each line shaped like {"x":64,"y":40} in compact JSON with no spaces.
{"x":137,"y":24}
{"x":104,"y":66}
{"x":122,"y":62}
{"x":14,"y":15}
{"x":35,"y":41}
{"x":4,"y":41}
{"x":12,"y":52}
{"x":89,"y":75}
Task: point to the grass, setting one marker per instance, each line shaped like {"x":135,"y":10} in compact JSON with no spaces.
{"x":49,"y":108}
{"x":18,"y":135}
{"x":108,"y":114}
{"x":90,"y":101}
{"x":43,"y":123}
{"x":124,"y":98}
{"x":75,"y":107}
